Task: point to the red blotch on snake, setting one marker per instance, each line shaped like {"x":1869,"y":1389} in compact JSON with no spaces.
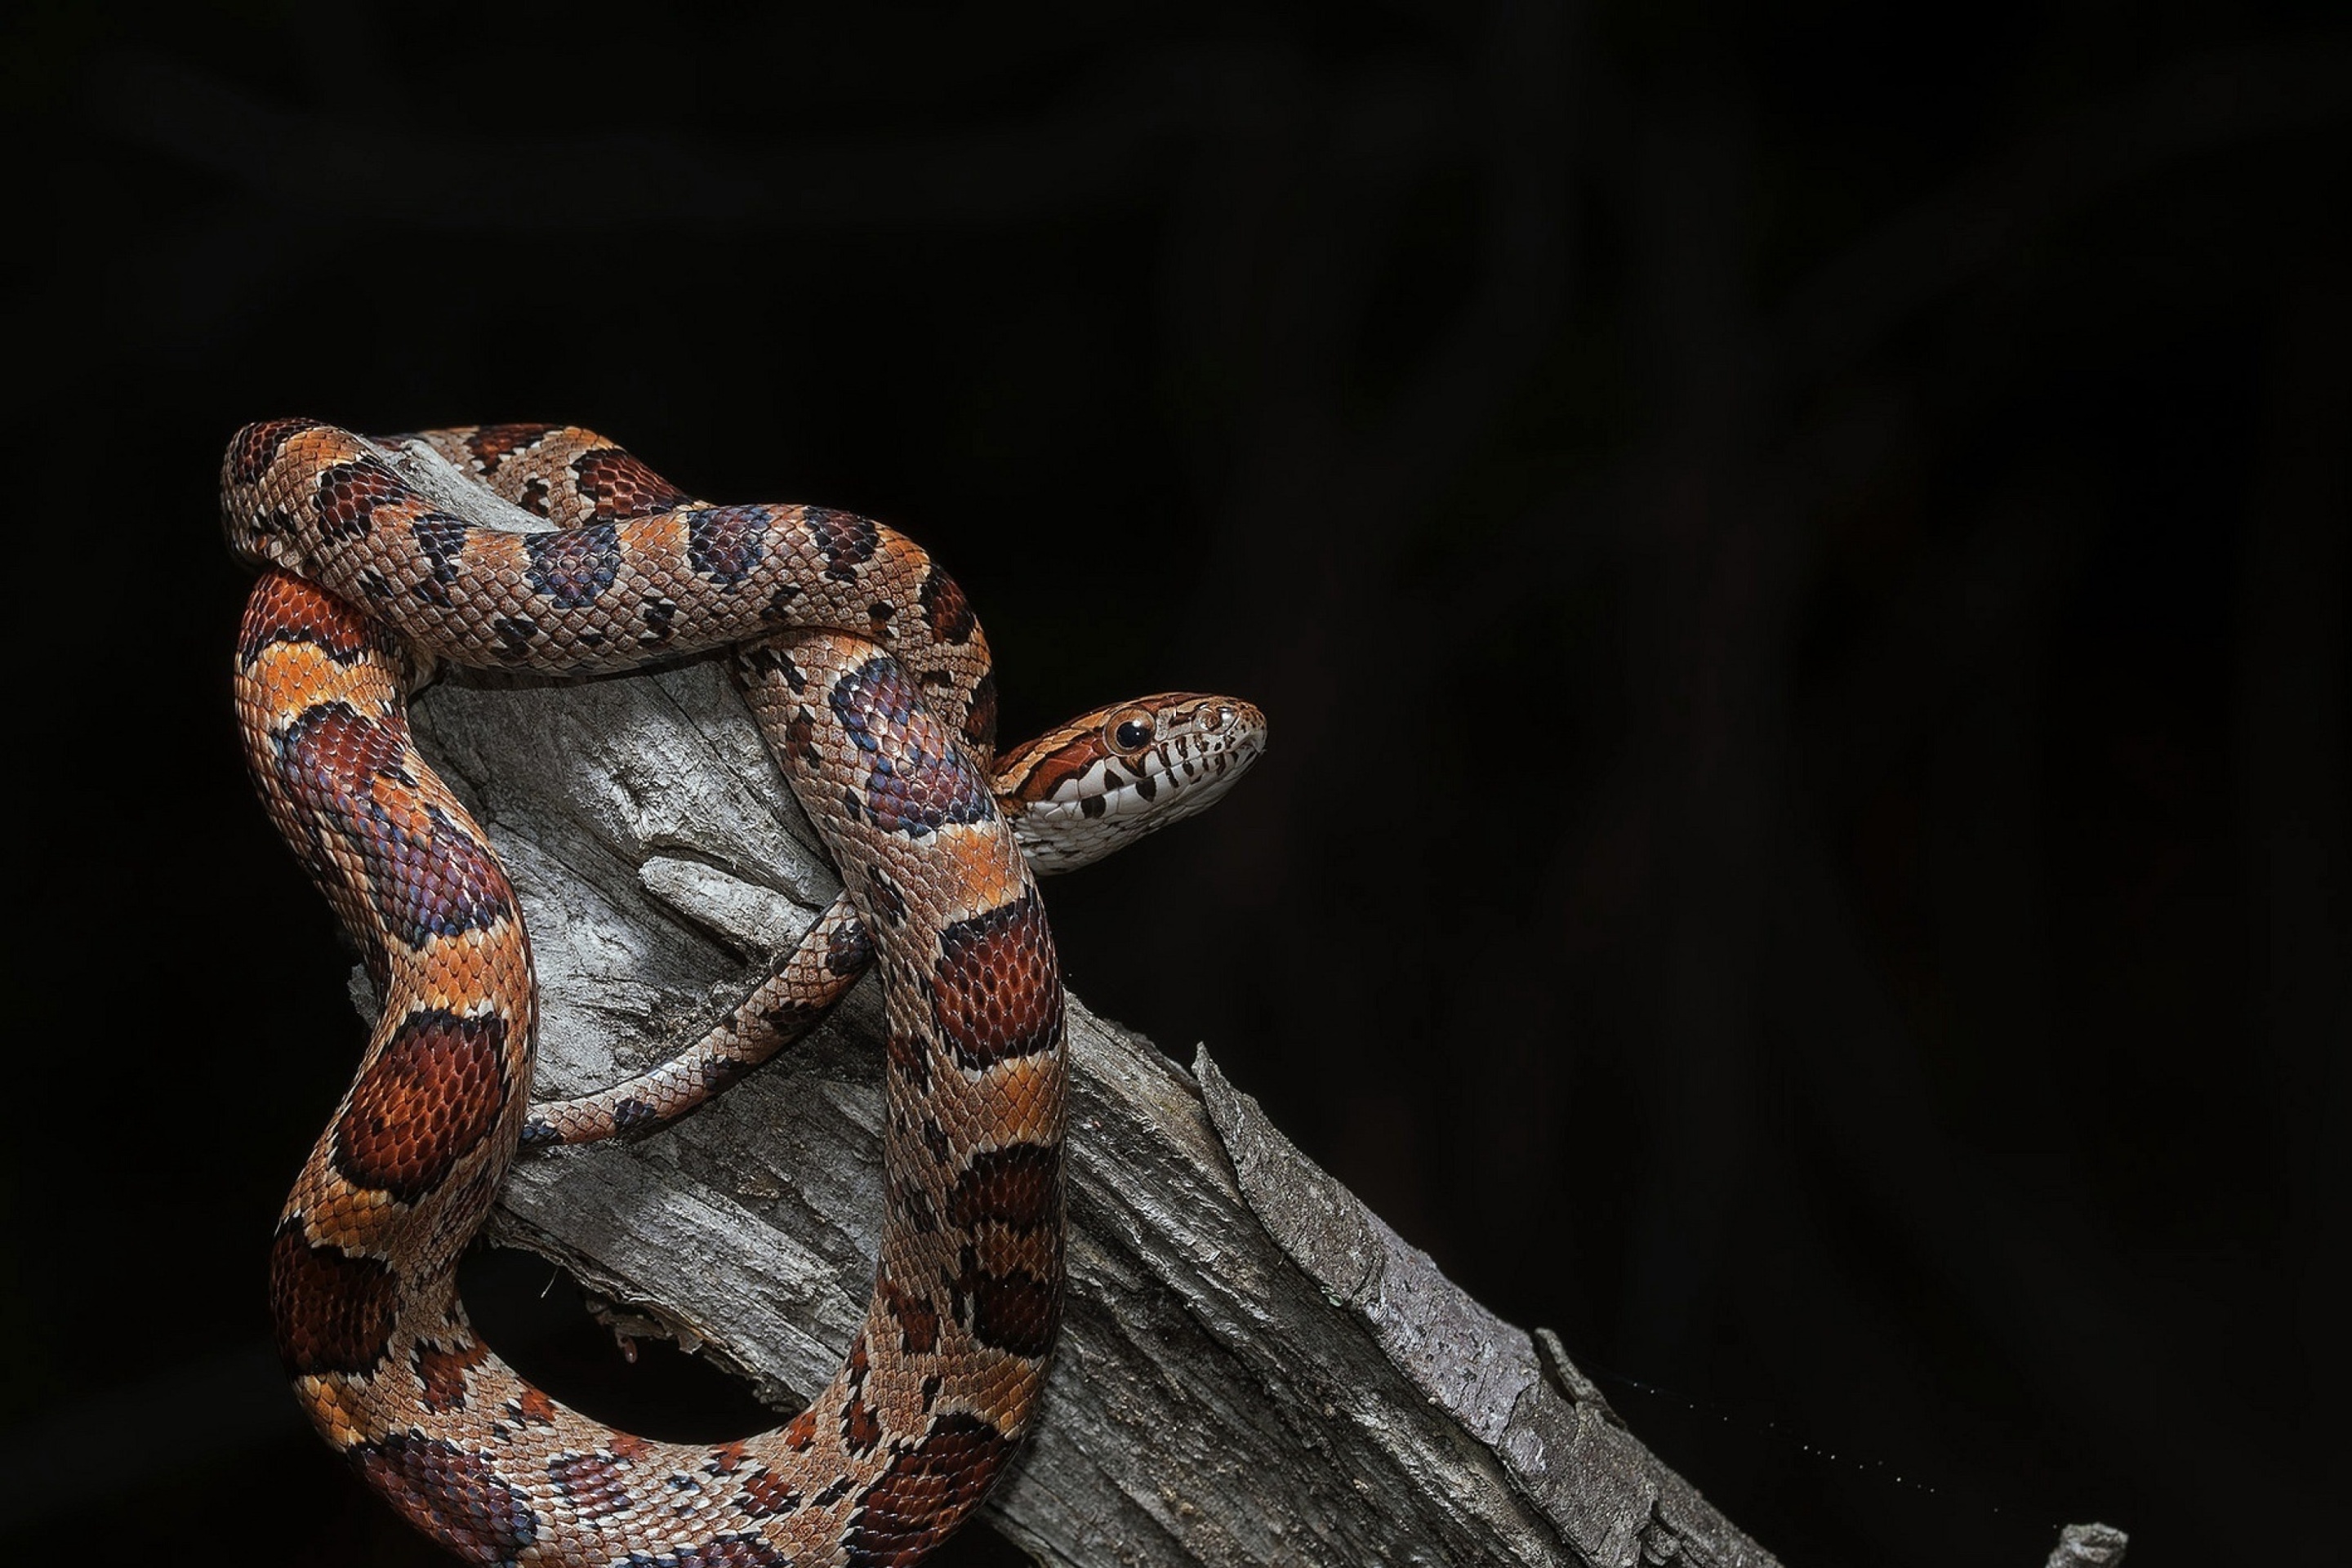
{"x":424,"y":1104}
{"x":997,"y":989}
{"x":333,"y":1312}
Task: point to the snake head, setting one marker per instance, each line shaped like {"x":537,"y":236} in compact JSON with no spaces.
{"x":1105,"y":778}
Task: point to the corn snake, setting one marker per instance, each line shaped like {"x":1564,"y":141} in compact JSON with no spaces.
{"x":871,"y":679}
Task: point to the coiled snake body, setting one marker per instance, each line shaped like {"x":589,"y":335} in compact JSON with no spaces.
{"x":870,"y":679}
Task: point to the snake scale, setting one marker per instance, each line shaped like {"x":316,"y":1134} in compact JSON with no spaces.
{"x":382,"y":559}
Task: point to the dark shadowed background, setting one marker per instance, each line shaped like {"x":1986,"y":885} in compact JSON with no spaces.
{"x":1796,"y":564}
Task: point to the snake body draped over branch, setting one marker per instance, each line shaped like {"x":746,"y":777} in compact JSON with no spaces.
{"x":871,"y":680}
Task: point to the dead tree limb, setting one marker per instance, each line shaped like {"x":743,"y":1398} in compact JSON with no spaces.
{"x":1254,"y":1369}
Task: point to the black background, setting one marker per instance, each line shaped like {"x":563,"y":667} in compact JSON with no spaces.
{"x":1796,"y":563}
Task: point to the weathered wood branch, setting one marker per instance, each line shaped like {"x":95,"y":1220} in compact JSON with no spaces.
{"x":1254,"y":1369}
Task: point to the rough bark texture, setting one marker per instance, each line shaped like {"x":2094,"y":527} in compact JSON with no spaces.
{"x":1253,"y":1368}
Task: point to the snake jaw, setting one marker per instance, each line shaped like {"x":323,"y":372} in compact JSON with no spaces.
{"x":1095,"y":784}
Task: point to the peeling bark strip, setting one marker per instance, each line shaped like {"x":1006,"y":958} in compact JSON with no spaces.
{"x":1253,"y":1370}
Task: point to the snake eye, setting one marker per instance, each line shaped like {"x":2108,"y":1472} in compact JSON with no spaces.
{"x":1129,"y":730}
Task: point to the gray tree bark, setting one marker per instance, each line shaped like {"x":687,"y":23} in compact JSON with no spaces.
{"x":1254,"y":1369}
